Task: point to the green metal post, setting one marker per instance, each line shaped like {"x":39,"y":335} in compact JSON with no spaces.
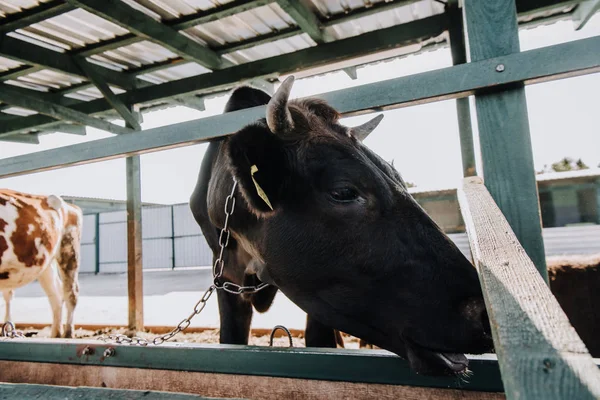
{"x":507,"y":157}
{"x":459,"y":56}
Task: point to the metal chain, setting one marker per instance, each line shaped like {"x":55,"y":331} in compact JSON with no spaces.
{"x":9,"y":331}
{"x":229,"y":287}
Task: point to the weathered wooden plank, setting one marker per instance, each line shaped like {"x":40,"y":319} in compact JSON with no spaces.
{"x":142,"y":25}
{"x":503,"y":124}
{"x":43,"y":11}
{"x":539,"y":352}
{"x":18,"y":98}
{"x":226,"y":385}
{"x":306,"y":20}
{"x":42,"y":57}
{"x":113,"y":100}
{"x":52,"y":392}
{"x":584,"y":12}
{"x":463,"y":111}
{"x":453,"y":82}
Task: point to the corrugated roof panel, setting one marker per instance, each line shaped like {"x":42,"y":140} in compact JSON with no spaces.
{"x":16,"y":6}
{"x":50,"y":79}
{"x":242,"y":26}
{"x":136,"y":55}
{"x":173,"y":9}
{"x":174,"y":73}
{"x":8,"y":64}
{"x":272,"y":49}
{"x":91,"y":93}
{"x":74,"y":29}
{"x":381,"y":20}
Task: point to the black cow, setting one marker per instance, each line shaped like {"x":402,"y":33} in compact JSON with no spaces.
{"x":338,"y":233}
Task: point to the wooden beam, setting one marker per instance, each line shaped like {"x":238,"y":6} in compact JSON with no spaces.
{"x":135,"y":288}
{"x":42,"y":57}
{"x":18,"y":98}
{"x":463,"y":111}
{"x":570,"y":59}
{"x":29,"y":138}
{"x":540,"y":354}
{"x":584,"y":12}
{"x":306,"y":20}
{"x":30,"y":16}
{"x":368,"y":43}
{"x":113,"y":100}
{"x":507,"y":156}
{"x":142,"y":25}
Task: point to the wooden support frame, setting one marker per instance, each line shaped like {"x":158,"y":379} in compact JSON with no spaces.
{"x":113,"y":100}
{"x":539,"y":353}
{"x":19,"y":98}
{"x":144,"y":26}
{"x":372,"y":42}
{"x":503,"y":124}
{"x":576,"y":58}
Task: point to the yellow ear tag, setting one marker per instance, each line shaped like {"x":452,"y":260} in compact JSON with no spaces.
{"x":261,"y":193}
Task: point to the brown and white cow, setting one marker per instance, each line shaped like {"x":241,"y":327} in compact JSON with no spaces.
{"x":40,"y":238}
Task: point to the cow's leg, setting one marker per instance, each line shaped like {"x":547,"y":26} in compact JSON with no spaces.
{"x":68,"y":268}
{"x":319,"y":335}
{"x":8,"y":294}
{"x":236,"y":316}
{"x":52,"y":287}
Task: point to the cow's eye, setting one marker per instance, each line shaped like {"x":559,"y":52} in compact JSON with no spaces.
{"x":344,"y":194}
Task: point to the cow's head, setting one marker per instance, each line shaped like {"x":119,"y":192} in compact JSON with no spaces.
{"x":341,"y":236}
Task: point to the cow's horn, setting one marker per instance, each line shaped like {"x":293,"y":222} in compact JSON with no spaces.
{"x":362,"y":131}
{"x":279,"y":118}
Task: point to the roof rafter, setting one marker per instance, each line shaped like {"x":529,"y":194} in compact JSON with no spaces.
{"x":365,"y":44}
{"x":108,"y":94}
{"x":144,"y":26}
{"x":44,"y":103}
{"x":306,"y":20}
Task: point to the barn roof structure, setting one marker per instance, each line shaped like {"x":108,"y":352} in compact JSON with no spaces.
{"x":69,"y":64}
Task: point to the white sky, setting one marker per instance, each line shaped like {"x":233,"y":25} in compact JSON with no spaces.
{"x":423,"y":140}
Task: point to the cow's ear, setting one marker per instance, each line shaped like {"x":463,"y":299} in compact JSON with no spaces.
{"x":258,"y":162}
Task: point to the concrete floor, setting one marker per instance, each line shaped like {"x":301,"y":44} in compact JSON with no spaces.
{"x":169,"y":296}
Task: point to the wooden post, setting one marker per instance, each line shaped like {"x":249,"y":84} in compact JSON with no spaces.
{"x":134,"y":245}
{"x":507,"y":158}
{"x":539,"y":352}
{"x":459,"y":56}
